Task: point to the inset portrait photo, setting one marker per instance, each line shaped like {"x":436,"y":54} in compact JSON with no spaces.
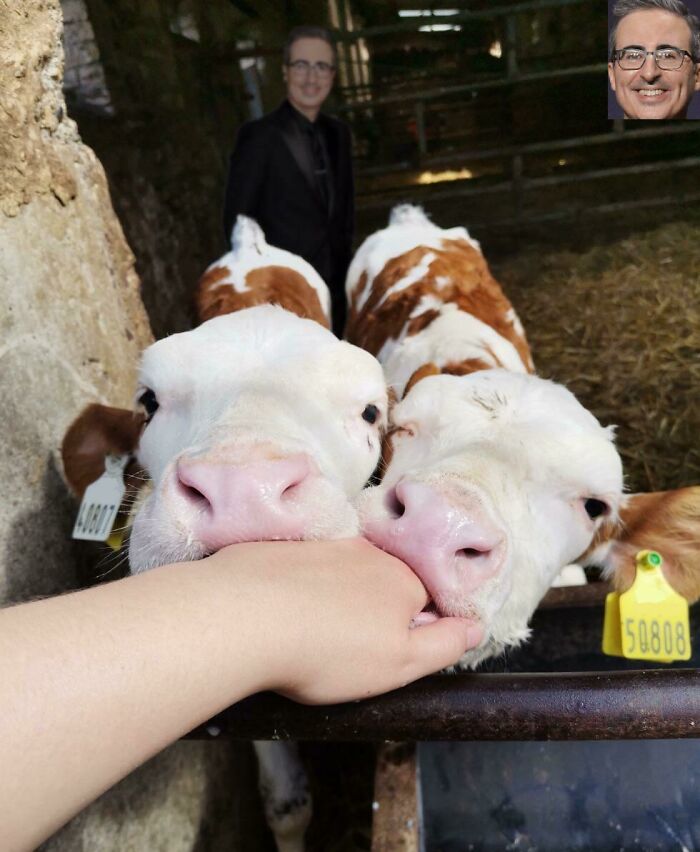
{"x":654,"y":59}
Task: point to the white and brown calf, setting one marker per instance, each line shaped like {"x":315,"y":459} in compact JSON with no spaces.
{"x":256,"y":273}
{"x":494,"y":479}
{"x":257,"y":425}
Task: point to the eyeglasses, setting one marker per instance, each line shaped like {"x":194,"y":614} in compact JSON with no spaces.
{"x":666,"y":58}
{"x":301,"y":68}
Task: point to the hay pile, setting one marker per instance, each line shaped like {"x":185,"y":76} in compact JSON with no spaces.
{"x":620,"y":326}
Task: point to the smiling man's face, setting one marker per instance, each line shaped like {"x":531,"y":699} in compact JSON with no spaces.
{"x":307,"y":90}
{"x":651,"y":92}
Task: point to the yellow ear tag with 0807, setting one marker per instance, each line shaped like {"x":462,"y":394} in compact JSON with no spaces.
{"x":650,"y":620}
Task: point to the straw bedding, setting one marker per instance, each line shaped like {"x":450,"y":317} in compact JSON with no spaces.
{"x":619,"y":324}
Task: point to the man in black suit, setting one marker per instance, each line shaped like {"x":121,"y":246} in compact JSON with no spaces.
{"x":291,"y":170}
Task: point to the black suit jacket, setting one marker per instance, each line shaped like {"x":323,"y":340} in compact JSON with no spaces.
{"x":271,"y":178}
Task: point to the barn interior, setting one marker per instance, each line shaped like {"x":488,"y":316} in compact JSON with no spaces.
{"x":491,"y":115}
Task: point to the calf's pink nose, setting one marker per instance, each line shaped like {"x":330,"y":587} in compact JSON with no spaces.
{"x":451,"y":543}
{"x":225,"y":503}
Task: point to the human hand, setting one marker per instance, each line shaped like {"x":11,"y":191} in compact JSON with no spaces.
{"x":333,"y":619}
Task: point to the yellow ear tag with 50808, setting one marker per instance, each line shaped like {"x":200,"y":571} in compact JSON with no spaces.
{"x":650,"y":620}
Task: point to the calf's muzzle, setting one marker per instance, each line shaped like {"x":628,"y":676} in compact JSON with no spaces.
{"x":225,"y":503}
{"x":451,"y":542}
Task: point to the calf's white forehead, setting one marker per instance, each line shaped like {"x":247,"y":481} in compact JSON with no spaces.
{"x":522,"y":414}
{"x":264,"y":338}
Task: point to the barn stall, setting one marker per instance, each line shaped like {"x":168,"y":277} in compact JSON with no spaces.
{"x":491,"y":115}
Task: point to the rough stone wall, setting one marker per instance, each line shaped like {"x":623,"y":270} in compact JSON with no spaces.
{"x":72,"y":324}
{"x":72,"y":328}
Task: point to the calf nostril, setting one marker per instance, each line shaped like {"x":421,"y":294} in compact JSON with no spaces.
{"x":194,"y":495}
{"x":187,"y":483}
{"x":394,"y":505}
{"x":289,"y":490}
{"x":473,"y":552}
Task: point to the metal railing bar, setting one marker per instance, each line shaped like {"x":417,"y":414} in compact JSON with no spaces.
{"x":441,"y":91}
{"x":403,"y":193}
{"x":618,"y":171}
{"x":411,"y":24}
{"x":556,"y":145}
{"x":581,"y":212}
{"x":536,"y":183}
{"x":570,"y":706}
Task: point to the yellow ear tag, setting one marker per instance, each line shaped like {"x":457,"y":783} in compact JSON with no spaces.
{"x":650,"y":620}
{"x":118,"y":534}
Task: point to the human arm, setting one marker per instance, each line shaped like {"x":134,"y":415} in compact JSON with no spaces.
{"x":95,"y":682}
{"x":246,"y":175}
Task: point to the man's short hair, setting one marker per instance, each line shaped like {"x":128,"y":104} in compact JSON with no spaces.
{"x":307,"y":32}
{"x":676,"y":7}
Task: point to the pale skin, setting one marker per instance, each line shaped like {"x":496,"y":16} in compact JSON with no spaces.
{"x":96,"y":682}
{"x":651,"y":92}
{"x":307,"y":91}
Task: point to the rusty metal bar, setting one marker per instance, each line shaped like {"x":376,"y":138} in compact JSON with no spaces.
{"x":651,"y":704}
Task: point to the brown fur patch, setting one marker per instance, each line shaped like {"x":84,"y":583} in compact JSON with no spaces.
{"x":97,"y":432}
{"x":387,"y":446}
{"x":268,"y":285}
{"x":470,"y":286}
{"x":353,"y":299}
{"x":421,"y":373}
{"x":421,"y":321}
{"x":464,"y":368}
{"x":666,"y":521}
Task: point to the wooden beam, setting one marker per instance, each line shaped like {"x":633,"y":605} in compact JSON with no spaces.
{"x":396,"y":817}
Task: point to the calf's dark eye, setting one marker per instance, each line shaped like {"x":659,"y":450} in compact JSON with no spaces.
{"x":370,"y":414}
{"x":149,"y":402}
{"x":595,"y":508}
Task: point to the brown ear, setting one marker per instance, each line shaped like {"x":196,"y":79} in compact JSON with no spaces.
{"x":97,"y":432}
{"x":421,"y":373}
{"x":666,"y":521}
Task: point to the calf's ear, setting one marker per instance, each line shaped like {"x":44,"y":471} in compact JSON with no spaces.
{"x":665,"y":521}
{"x":97,"y":432}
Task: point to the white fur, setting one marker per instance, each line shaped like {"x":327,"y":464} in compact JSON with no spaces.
{"x":452,"y":337}
{"x":250,"y":250}
{"x":419,"y":271}
{"x":261,"y":376}
{"x":531,"y":454}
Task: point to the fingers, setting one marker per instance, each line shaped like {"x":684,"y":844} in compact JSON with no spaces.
{"x":442,"y":642}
